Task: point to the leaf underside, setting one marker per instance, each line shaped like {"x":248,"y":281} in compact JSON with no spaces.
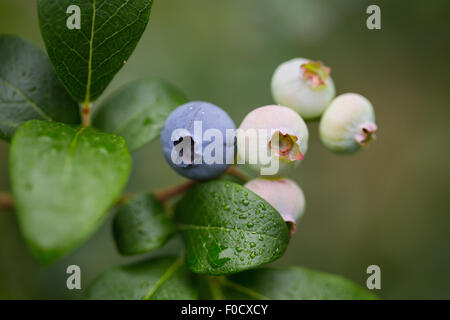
{"x":30,"y":88}
{"x":163,"y":278}
{"x":141,"y":225}
{"x":64,"y":180}
{"x":87,"y":59}
{"x":138,"y":111}
{"x":227,"y":229}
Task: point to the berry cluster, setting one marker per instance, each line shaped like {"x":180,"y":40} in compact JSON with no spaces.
{"x":302,"y":89}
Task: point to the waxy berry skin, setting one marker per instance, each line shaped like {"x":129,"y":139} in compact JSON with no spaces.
{"x":303,"y":85}
{"x":273,"y":123}
{"x":283,"y":194}
{"x":348,"y":123}
{"x":195,"y":165}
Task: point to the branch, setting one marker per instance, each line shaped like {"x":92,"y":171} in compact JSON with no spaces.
{"x":167,"y":194}
{"x":232,"y":171}
{"x":6,"y":201}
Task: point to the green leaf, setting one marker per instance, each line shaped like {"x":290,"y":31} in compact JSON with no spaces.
{"x":29,"y":88}
{"x":87,"y":59}
{"x":230,"y":178}
{"x":292,"y":283}
{"x":141,"y":225}
{"x":228,"y":229}
{"x":138,"y":111}
{"x":64,"y":180}
{"x":161,"y":278}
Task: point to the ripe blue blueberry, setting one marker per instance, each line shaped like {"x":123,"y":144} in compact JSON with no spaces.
{"x":198,"y":140}
{"x":348,"y":123}
{"x":303,"y":85}
{"x":283,"y":194}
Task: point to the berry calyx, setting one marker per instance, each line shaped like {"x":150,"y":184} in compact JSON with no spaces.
{"x":285,"y":146}
{"x":366,"y":133}
{"x":316,"y":73}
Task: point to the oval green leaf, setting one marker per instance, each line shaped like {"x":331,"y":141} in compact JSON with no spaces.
{"x":64,"y":180}
{"x":138,"y":111}
{"x":161,"y":278}
{"x":227,"y":229}
{"x":292,"y":283}
{"x":87,"y":59}
{"x":30,"y":88}
{"x":141,"y":225}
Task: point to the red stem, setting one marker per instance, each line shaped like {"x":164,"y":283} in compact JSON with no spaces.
{"x":6,"y":201}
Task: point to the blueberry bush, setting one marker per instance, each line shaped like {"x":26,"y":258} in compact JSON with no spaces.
{"x":69,"y":165}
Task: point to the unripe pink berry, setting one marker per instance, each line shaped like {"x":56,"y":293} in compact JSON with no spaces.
{"x":283,"y":194}
{"x":282,"y":139}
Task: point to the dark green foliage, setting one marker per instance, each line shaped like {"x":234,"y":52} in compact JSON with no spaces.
{"x":294,"y":283}
{"x":138,"y":111}
{"x":64,"y":180}
{"x":29,"y":88}
{"x":228,"y":229}
{"x":154,"y":279}
{"x":87,"y":60}
{"x":141,"y":225}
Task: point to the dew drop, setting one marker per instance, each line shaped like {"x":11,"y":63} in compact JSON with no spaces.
{"x":147,"y":121}
{"x":214,"y":194}
{"x":217,"y":255}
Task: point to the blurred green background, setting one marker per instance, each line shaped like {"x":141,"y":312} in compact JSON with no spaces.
{"x":387,"y":205}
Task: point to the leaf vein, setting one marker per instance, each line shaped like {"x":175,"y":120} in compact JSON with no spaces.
{"x":190,"y":226}
{"x":170,"y":271}
{"x":113,"y":15}
{"x":33,"y":104}
{"x":91,"y":51}
{"x":250,"y":292}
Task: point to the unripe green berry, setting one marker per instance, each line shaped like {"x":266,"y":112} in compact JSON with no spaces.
{"x":348,"y":123}
{"x":304,"y":86}
{"x":283,"y":194}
